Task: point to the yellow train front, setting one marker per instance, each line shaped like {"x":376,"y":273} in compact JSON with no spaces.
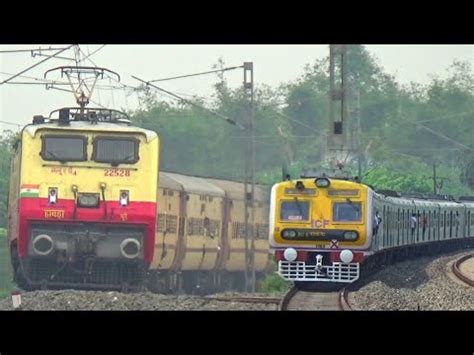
{"x":83,"y":201}
{"x":319,"y":229}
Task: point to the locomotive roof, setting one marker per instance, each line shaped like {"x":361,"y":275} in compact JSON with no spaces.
{"x":32,"y":129}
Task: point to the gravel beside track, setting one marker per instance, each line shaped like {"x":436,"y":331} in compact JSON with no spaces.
{"x":94,"y":300}
{"x":467,"y":267}
{"x":422,"y":284}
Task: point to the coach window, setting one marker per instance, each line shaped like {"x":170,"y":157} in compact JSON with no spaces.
{"x":347,"y":212}
{"x":115,"y":150}
{"x":64,"y":148}
{"x":294,"y":211}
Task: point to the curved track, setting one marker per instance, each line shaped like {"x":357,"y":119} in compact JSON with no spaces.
{"x":463,"y":268}
{"x":298,"y":300}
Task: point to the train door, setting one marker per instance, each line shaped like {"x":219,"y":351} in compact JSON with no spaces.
{"x":398,"y":227}
{"x":450,"y":224}
{"x":468,"y":223}
{"x":444,"y":224}
{"x":404,"y":227}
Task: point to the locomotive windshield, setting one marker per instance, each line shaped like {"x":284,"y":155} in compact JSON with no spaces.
{"x":64,"y":148}
{"x":115,"y":150}
{"x":294,"y":211}
{"x":347,"y":211}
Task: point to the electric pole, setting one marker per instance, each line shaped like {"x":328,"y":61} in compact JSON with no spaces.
{"x":338,"y":101}
{"x":249,"y":183}
{"x":437,"y":180}
{"x":358,"y":129}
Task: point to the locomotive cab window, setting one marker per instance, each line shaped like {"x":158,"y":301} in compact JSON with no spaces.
{"x":115,"y":150}
{"x":347,"y":212}
{"x":63,"y":148}
{"x":294,"y":211}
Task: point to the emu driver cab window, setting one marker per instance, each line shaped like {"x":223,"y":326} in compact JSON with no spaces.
{"x":294,"y":211}
{"x":347,"y":212}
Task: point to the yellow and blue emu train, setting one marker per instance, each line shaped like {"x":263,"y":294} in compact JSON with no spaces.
{"x":323,"y":229}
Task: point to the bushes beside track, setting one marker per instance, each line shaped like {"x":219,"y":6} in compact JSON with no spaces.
{"x":5,"y":266}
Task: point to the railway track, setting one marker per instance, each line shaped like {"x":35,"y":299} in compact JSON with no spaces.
{"x":297,"y":300}
{"x":463,"y":268}
{"x":245,"y":299}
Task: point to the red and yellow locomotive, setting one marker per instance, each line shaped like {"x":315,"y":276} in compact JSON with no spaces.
{"x":82,"y":202}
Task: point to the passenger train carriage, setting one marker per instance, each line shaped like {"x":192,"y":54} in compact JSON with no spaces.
{"x":323,"y":229}
{"x":200,"y":240}
{"x":82,"y":201}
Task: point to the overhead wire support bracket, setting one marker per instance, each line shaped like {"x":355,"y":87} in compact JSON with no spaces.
{"x":196,"y":74}
{"x":227,"y":119}
{"x":34,"y":65}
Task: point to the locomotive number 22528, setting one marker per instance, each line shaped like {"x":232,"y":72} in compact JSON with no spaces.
{"x":117,"y":172}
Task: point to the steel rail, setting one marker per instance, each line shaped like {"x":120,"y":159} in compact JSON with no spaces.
{"x":457,"y":269}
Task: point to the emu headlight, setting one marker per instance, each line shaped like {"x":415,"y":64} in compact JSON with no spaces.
{"x":322,"y":182}
{"x":290,"y":254}
{"x":346,"y":256}
{"x":350,"y":235}
{"x":288,"y":233}
{"x":300,"y":185}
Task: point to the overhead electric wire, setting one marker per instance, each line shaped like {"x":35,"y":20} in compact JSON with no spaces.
{"x":438,"y":134}
{"x":91,"y":54}
{"x":11,"y":123}
{"x":196,"y":74}
{"x":55,"y":57}
{"x":227,"y":119}
{"x":45,"y":81}
{"x":33,"y":66}
{"x":299,"y":122}
{"x":30,"y":50}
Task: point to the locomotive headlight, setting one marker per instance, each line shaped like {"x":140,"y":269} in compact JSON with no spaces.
{"x":322,"y":182}
{"x":351,"y":235}
{"x":346,"y":256}
{"x":52,"y":195}
{"x":124,"y":198}
{"x":289,"y":233}
{"x":290,"y":254}
{"x":43,"y":244}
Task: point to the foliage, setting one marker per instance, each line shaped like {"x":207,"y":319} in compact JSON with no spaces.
{"x":405,"y":128}
{"x":274,"y":283}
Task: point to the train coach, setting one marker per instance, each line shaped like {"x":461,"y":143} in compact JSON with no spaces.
{"x":322,"y":230}
{"x":82,"y":201}
{"x":200,"y":240}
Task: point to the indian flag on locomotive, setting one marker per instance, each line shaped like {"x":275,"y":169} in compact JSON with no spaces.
{"x":29,"y":190}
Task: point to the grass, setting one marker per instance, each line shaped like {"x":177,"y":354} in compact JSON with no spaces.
{"x":5,"y":267}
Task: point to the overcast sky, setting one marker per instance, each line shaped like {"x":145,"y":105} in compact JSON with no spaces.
{"x":273,"y":64}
